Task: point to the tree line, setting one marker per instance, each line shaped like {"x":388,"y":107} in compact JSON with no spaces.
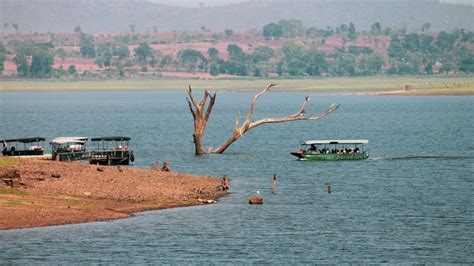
{"x":416,"y":52}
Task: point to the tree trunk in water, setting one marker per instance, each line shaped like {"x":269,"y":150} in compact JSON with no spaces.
{"x":201,"y":115}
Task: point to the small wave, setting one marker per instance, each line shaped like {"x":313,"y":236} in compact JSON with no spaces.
{"x":428,"y":157}
{"x":374,"y":158}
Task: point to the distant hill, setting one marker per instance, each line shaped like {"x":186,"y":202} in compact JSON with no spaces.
{"x":108,"y":16}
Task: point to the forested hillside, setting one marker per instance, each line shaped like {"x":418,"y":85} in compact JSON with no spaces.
{"x":104,"y":16}
{"x":279,"y":49}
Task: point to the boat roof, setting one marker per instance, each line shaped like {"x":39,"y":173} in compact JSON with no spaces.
{"x":336,"y":141}
{"x":110,"y":138}
{"x":62,"y":140}
{"x":24,"y":140}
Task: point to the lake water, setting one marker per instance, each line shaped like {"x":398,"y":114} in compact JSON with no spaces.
{"x":412,"y":202}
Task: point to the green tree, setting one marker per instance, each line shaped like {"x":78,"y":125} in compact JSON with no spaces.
{"x":262,"y":53}
{"x":22,"y":65}
{"x":425,"y":43}
{"x":376,"y":28}
{"x":229,"y":32}
{"x":41,"y":63}
{"x":235,"y":52}
{"x":291,"y":27}
{"x":121,"y":51}
{"x":104,"y":55}
{"x":234,"y":68}
{"x":293,"y":58}
{"x":315,"y":63}
{"x":351,"y":32}
{"x":153,"y":61}
{"x":71,"y":69}
{"x":87,"y":46}
{"x":213,"y":53}
{"x":3,"y":56}
{"x":426,"y":27}
{"x":466,"y":60}
{"x":411,"y":42}
{"x":445,"y":40}
{"x":78,"y":29}
{"x":190,"y":59}
{"x":342,"y":28}
{"x":272,"y":30}
{"x":257,"y":72}
{"x":313,"y":32}
{"x":166,"y":60}
{"x":213,"y":70}
{"x":376,"y":62}
{"x":142,"y":52}
{"x":396,"y":48}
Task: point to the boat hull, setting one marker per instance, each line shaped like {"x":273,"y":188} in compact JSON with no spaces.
{"x":23,"y":153}
{"x":111,"y":157}
{"x":70,"y":156}
{"x":330,"y":156}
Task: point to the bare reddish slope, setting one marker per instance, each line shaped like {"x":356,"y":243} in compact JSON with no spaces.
{"x":52,"y":193}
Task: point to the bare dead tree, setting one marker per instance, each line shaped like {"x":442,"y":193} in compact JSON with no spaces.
{"x":201,"y":115}
{"x":200,"y":118}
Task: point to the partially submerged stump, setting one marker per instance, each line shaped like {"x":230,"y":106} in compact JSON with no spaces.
{"x":274,"y":180}
{"x":256,"y":199}
{"x":225,"y":183}
{"x":166,"y":167}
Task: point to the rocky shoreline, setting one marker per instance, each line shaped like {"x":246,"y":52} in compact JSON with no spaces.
{"x":37,"y":193}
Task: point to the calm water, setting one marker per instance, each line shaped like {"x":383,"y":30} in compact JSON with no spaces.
{"x":413,"y":202}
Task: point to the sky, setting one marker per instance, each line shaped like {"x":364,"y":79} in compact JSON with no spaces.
{"x":197,"y":3}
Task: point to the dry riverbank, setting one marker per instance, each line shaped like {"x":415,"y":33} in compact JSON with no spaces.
{"x":422,"y":85}
{"x":52,"y":193}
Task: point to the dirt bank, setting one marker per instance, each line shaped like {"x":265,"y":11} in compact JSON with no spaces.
{"x":53,"y":193}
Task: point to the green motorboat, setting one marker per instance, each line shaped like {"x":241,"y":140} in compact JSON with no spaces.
{"x":69,"y":148}
{"x":111,"y":150}
{"x":332,"y":150}
{"x":32,"y":146}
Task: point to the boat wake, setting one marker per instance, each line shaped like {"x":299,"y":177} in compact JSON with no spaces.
{"x":428,"y":157}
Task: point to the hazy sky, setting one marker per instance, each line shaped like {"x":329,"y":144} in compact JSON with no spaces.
{"x":196,"y":3}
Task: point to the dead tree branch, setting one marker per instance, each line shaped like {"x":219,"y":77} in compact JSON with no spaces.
{"x":247,"y":124}
{"x":201,"y":116}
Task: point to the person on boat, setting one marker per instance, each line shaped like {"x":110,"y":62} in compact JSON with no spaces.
{"x":312,"y":148}
{"x":5,"y":148}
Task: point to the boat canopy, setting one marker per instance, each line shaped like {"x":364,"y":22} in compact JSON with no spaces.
{"x":340,"y":141}
{"x":63,"y":140}
{"x":24,"y":140}
{"x":111,"y":138}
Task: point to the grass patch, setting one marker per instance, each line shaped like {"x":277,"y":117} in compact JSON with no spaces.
{"x":7,"y":161}
{"x":440,"y":84}
{"x":85,"y":207}
{"x":71,"y":199}
{"x":5,"y":191}
{"x":16,"y":202}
